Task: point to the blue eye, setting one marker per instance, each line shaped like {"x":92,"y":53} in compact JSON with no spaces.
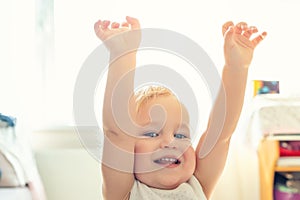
{"x":151,"y":134}
{"x":179,"y":136}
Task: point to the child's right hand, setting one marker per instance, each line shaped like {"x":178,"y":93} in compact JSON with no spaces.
{"x":125,"y":40}
{"x":239,"y":44}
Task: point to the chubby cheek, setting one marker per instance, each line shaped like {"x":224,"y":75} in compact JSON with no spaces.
{"x":142,"y":157}
{"x":144,"y":146}
{"x":190,"y":159}
{"x":190,"y":153}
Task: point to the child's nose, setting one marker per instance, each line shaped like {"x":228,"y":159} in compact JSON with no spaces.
{"x":167,"y":142}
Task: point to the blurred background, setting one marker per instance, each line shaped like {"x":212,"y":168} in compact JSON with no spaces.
{"x":44,"y":43}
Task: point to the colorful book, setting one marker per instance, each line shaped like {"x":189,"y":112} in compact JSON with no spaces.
{"x":265,"y":87}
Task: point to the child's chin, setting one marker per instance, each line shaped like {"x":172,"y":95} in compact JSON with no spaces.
{"x":167,"y":183}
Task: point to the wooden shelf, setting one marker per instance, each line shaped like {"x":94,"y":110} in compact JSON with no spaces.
{"x":287,"y":169}
{"x":268,"y":155}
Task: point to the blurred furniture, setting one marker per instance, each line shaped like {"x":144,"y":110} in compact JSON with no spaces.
{"x":19,"y":178}
{"x":274,"y":119}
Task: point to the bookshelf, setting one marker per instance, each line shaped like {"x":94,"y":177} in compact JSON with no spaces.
{"x":275,"y":119}
{"x":270,"y":163}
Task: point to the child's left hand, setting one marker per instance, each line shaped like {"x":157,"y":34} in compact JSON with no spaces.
{"x":106,"y":31}
{"x":238,"y":45}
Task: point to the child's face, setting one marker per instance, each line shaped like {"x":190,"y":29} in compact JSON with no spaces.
{"x":164,"y":156}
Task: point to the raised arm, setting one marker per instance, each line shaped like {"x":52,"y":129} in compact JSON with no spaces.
{"x":213,"y":146}
{"x":118,"y":108}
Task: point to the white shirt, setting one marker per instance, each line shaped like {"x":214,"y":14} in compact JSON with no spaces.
{"x":191,"y":190}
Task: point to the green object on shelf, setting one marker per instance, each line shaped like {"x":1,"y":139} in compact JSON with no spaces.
{"x":283,"y":188}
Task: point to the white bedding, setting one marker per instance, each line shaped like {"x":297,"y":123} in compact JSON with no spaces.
{"x":272,"y":115}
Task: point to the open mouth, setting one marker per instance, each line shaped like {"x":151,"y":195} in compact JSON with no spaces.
{"x":167,"y":161}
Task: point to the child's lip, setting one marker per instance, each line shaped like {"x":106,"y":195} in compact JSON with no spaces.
{"x":167,"y":160}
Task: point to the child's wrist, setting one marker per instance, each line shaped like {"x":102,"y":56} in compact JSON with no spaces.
{"x":236,"y":71}
{"x":118,"y":54}
{"x":236,"y":68}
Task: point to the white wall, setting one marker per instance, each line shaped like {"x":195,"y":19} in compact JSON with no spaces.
{"x":21,"y":78}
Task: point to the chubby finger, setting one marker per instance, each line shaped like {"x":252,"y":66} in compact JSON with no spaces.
{"x":115,"y":25}
{"x":240,"y":27}
{"x":105,"y":24}
{"x":226,"y":26}
{"x":228,"y":33}
{"x":253,"y":28}
{"x":125,"y":24}
{"x":100,"y":32}
{"x":135,"y":24}
{"x":259,"y":38}
{"x":249,"y":31}
{"x":97,"y":26}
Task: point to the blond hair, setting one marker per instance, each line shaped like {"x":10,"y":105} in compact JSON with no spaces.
{"x":145,"y":94}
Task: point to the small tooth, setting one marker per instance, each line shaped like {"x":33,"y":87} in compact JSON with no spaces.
{"x":168,"y":159}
